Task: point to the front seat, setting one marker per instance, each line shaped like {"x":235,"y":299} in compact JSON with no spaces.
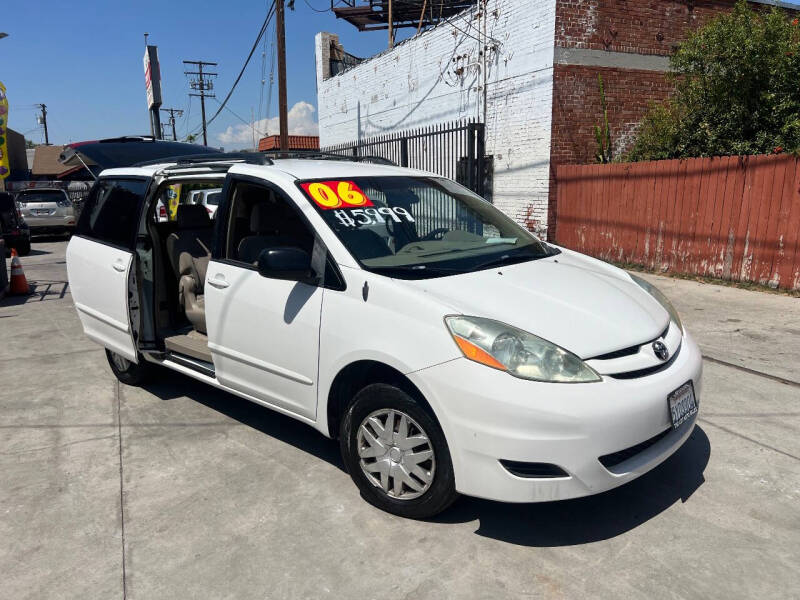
{"x":189,"y":252}
{"x":266,"y":222}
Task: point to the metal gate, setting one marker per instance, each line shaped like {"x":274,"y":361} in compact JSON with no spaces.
{"x":455,"y":150}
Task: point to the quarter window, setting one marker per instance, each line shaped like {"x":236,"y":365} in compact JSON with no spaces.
{"x":111,"y":213}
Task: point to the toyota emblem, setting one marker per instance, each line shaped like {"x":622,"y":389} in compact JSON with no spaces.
{"x":660,"y":350}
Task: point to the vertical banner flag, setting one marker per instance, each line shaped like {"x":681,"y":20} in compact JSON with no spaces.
{"x":174,"y":197}
{"x":5,"y":169}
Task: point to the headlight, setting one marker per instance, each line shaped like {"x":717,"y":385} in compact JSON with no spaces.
{"x":522,"y":354}
{"x":658,"y":295}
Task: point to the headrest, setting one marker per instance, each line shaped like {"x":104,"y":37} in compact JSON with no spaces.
{"x":262,"y":218}
{"x":193,"y":216}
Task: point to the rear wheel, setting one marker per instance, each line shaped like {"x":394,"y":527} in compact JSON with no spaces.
{"x":396,"y":453}
{"x":129,"y":372}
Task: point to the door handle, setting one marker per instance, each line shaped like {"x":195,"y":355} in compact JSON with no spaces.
{"x":119,"y":266}
{"x":218,"y":282}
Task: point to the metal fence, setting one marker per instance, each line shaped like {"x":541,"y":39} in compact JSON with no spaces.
{"x":455,"y":150}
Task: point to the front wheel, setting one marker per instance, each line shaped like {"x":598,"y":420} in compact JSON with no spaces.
{"x":396,"y":453}
{"x":129,"y":372}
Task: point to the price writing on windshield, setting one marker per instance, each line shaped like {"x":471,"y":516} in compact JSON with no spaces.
{"x":372,"y":216}
{"x":336,"y":194}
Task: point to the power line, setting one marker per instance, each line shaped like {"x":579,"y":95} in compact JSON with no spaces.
{"x":246,"y":62}
{"x":324,"y":10}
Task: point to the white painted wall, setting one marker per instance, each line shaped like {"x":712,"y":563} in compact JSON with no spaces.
{"x":437,"y":77}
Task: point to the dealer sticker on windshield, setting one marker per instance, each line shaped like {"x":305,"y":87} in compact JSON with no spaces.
{"x":350,"y":206}
{"x":336,"y":194}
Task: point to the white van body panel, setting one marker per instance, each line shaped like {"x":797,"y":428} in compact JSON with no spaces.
{"x":263,"y":335}
{"x":98,"y":279}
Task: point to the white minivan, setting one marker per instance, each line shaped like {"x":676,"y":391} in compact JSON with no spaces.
{"x":446,"y":348}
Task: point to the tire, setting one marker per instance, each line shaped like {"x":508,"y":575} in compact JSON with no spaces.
{"x":377,"y":476}
{"x":128,"y":372}
{"x":24,"y":248}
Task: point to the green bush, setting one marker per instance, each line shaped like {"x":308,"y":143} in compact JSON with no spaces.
{"x":737,"y":90}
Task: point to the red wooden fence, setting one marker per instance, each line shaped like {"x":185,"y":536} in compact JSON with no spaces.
{"x":734,"y":217}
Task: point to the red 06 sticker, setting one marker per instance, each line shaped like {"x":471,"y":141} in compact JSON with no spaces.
{"x":336,"y":194}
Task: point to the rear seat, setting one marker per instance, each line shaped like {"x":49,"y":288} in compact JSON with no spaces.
{"x":189,"y":252}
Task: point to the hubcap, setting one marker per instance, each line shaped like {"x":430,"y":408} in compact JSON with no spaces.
{"x":120,"y":362}
{"x":395,"y":454}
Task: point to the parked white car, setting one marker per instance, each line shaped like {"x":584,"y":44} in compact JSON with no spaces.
{"x":448,"y":349}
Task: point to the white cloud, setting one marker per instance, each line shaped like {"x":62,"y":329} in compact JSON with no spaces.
{"x":301,"y":122}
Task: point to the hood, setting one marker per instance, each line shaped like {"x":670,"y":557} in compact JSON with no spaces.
{"x":583,"y":305}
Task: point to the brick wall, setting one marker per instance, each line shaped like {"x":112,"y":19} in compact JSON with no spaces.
{"x":640,"y":26}
{"x":436,"y":77}
{"x":626,"y":27}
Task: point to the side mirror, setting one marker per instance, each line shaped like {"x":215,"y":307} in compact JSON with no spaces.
{"x":286,"y":262}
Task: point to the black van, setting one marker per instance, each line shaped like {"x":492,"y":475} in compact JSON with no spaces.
{"x":13,"y":228}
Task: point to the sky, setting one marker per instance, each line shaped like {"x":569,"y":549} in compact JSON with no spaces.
{"x":84,"y":61}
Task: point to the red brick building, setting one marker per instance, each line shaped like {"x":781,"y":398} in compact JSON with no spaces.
{"x":527,"y":70}
{"x":628,"y":42}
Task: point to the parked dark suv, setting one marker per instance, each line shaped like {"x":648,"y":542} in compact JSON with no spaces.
{"x":13,"y":228}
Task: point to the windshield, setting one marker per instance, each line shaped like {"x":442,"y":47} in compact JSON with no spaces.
{"x":40,"y":196}
{"x":213,"y":198}
{"x":419,"y":227}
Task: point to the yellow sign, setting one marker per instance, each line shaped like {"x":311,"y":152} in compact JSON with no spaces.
{"x":174,"y":195}
{"x":5,"y":168}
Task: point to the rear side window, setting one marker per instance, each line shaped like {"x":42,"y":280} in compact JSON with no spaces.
{"x":41,"y":196}
{"x":111,"y":214}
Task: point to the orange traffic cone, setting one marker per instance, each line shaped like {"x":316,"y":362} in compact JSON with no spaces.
{"x":19,"y":284}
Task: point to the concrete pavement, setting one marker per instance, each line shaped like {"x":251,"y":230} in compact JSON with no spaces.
{"x":178,"y":490}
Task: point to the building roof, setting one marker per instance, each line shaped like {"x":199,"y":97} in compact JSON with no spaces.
{"x":296,"y":142}
{"x":45,"y":161}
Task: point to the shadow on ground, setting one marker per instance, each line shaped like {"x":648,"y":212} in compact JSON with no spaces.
{"x":39,"y":290}
{"x":171,"y":385}
{"x":548,"y":524}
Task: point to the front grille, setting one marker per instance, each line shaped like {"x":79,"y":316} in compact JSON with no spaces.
{"x":610,"y":461}
{"x":649,"y":370}
{"x":629,"y":351}
{"x":533,"y":470}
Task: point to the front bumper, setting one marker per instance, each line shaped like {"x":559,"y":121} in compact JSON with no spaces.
{"x":488,"y":416}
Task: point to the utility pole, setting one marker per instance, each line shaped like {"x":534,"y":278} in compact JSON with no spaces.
{"x":391,"y":26}
{"x":43,"y":121}
{"x":281,"y":50}
{"x":172,"y":112}
{"x":203,"y":86}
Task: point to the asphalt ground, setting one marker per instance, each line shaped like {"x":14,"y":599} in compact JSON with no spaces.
{"x":178,"y":490}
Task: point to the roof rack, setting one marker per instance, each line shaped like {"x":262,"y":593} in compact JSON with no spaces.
{"x":211,"y":159}
{"x":225,"y":159}
{"x":322,"y":155}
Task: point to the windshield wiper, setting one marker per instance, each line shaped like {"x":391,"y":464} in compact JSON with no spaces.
{"x":415,"y":269}
{"x":507,"y":259}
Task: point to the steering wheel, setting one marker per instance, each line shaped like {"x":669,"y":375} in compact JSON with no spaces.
{"x":436,"y":234}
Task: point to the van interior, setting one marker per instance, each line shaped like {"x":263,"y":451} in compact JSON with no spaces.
{"x":172,"y":268}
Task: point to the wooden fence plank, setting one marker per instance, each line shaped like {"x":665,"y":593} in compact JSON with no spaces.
{"x":768,"y":221}
{"x":731,"y":217}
